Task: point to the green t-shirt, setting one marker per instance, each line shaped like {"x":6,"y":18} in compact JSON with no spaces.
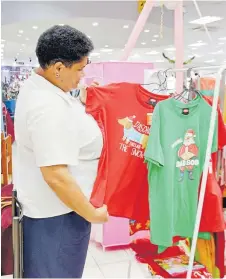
{"x":175,"y":156}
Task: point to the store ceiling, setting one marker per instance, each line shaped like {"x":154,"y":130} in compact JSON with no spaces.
{"x":19,"y":19}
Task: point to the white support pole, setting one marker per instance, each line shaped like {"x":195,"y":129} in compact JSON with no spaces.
{"x":205,"y":169}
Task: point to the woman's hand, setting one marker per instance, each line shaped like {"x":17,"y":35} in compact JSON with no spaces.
{"x":101,"y":215}
{"x":83,"y":91}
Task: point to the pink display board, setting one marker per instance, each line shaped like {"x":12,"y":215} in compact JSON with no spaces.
{"x":108,"y":72}
{"x":116,"y":231}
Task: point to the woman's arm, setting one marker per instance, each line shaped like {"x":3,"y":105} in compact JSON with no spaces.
{"x":68,"y":191}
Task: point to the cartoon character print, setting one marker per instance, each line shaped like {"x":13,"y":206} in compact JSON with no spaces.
{"x":187,"y":153}
{"x":130,"y":134}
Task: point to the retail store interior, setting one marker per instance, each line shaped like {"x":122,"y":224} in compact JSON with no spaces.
{"x":162,"y":47}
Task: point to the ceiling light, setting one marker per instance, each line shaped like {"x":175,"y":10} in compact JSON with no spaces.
{"x":21,"y":31}
{"x":106,"y":50}
{"x":17,"y":54}
{"x":125,"y":26}
{"x":193,"y":48}
{"x":154,"y":40}
{"x":170,"y":49}
{"x":206,"y":19}
{"x":222,"y":39}
{"x":95,"y":23}
{"x":27,"y":39}
{"x":35,"y":27}
{"x":200,"y":41}
{"x":217,"y":52}
{"x":95,"y":54}
{"x":159,"y":61}
{"x":19,"y":35}
{"x":23,"y":45}
{"x":61,"y":24}
{"x":221,"y":43}
{"x":146,"y":30}
{"x":197,"y":44}
{"x":152,"y":52}
{"x":210,"y":61}
{"x":156,"y":36}
{"x":143,"y":43}
{"x":135,"y":55}
{"x":3,"y":40}
{"x":106,"y":46}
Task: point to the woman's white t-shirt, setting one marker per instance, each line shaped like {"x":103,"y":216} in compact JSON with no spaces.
{"x":52,"y":128}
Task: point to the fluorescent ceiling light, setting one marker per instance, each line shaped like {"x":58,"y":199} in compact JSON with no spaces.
{"x":154,"y":40}
{"x":95,"y":54}
{"x":146,"y":30}
{"x":35,"y":27}
{"x":156,"y":36}
{"x":200,"y":41}
{"x":143,"y":43}
{"x":125,"y":26}
{"x":159,"y":61}
{"x":221,"y":43}
{"x":106,"y":46}
{"x":222,"y":39}
{"x":23,"y":45}
{"x":17,"y":54}
{"x":170,"y":49}
{"x":135,"y":55}
{"x":152,"y":52}
{"x":27,"y":39}
{"x":21,"y":31}
{"x":95,"y":23}
{"x":19,"y":35}
{"x":217,"y":52}
{"x":210,"y":61}
{"x":206,"y":19}
{"x":198,"y":44}
{"x":106,"y":50}
{"x":61,"y":24}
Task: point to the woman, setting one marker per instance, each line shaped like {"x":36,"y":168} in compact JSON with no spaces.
{"x":58,"y":146}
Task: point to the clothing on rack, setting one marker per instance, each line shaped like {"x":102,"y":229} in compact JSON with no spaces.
{"x":175,"y":157}
{"x":124,"y":114}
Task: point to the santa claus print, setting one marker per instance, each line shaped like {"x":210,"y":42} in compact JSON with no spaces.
{"x":188,"y":154}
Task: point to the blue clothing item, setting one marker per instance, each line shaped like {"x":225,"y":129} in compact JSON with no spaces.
{"x":55,"y":247}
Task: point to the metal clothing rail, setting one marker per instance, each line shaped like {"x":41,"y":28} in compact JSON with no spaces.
{"x":207,"y":159}
{"x":205,"y":169}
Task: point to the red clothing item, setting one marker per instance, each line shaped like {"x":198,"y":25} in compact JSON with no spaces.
{"x":212,"y":219}
{"x":123,"y":112}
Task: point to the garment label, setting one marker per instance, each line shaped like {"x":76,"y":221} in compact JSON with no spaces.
{"x":185,"y":111}
{"x":152,"y":102}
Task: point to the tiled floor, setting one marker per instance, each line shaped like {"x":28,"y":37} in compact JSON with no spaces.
{"x":111,"y":263}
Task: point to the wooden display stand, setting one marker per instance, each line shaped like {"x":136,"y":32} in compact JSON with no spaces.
{"x":6,"y":159}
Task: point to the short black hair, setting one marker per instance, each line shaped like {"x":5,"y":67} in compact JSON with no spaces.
{"x":62,"y":44}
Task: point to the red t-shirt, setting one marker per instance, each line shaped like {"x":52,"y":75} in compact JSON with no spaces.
{"x":123,"y":112}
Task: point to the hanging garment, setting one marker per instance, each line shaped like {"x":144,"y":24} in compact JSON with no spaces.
{"x":124,"y":114}
{"x":175,"y":157}
{"x":205,"y":254}
{"x":220,"y":250}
